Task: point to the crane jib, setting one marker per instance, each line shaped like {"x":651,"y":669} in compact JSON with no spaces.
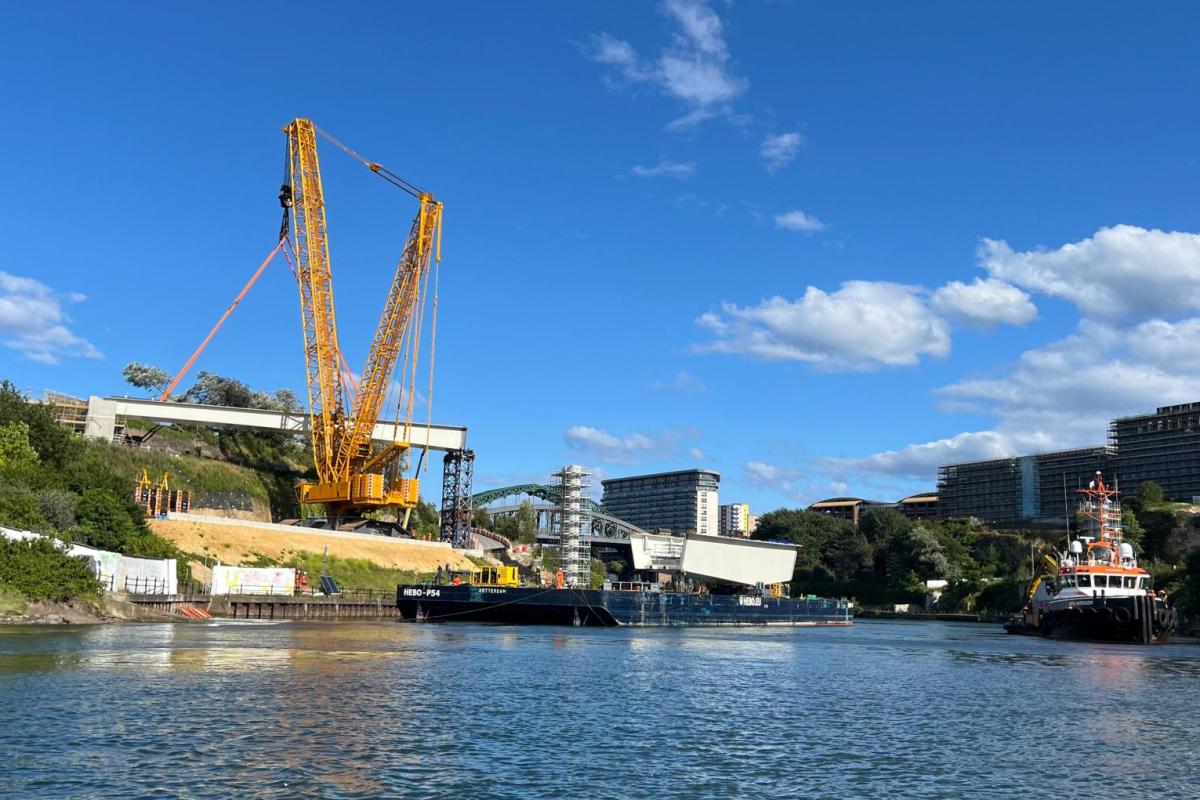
{"x":350,"y":477}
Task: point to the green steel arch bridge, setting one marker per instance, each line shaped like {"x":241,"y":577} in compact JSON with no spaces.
{"x":541,"y":491}
{"x":605,"y":528}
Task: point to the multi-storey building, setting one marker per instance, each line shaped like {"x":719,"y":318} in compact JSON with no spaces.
{"x":1018,"y":488}
{"x":919,"y":506}
{"x":1060,"y":476}
{"x":735,"y":520}
{"x":1163,"y":447}
{"x":681,"y":502}
{"x":850,"y":509}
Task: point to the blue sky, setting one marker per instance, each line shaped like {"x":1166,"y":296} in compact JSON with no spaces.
{"x":820,"y":248}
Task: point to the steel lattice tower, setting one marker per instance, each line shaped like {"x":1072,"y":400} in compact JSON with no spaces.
{"x":574,"y":528}
{"x":458,"y":473}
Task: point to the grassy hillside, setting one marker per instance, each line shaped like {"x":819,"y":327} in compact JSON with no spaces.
{"x":198,"y":475}
{"x":244,"y":545}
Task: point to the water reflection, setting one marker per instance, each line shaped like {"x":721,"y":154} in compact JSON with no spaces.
{"x":377,"y":709}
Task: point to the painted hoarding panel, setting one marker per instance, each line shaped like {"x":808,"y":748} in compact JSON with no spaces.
{"x":253,"y":580}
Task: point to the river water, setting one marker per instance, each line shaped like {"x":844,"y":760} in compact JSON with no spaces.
{"x":348,"y":710}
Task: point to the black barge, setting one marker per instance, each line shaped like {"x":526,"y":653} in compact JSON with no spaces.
{"x":612,"y":607}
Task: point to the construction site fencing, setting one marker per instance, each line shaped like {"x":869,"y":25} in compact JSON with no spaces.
{"x":136,"y":585}
{"x":355,"y":595}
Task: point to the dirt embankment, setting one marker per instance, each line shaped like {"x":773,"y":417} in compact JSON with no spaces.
{"x":46,"y":612}
{"x":239,"y":544}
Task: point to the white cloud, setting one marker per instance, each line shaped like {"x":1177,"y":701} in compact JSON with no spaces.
{"x":667,"y":169}
{"x":694,"y":67}
{"x":609,"y":50}
{"x":1058,"y":396}
{"x":984,"y":302}
{"x":1119,"y":271}
{"x":696,"y":453}
{"x":779,"y":150}
{"x":771,"y":476}
{"x":922,"y":460}
{"x":797,"y":485}
{"x":797,"y":220}
{"x":1174,"y":347}
{"x":33,"y":322}
{"x":862,"y":326}
{"x":604,"y":447}
{"x":682,"y":382}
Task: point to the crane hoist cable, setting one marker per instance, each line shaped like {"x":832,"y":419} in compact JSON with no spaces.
{"x":346,"y":373}
{"x":375,"y":167}
{"x":213,"y":332}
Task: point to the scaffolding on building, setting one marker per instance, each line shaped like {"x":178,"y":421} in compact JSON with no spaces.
{"x":575,"y":525}
{"x":988,"y":490}
{"x":71,"y":412}
{"x":458,"y":511}
{"x":1163,"y":447}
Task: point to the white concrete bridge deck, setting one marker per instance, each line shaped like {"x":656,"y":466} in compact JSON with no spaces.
{"x":103,"y":413}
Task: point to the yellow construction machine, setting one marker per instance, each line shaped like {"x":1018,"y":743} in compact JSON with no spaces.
{"x":353,"y":475}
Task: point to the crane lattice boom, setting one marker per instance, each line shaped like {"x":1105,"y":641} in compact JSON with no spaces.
{"x":326,"y":394}
{"x":351,"y":478}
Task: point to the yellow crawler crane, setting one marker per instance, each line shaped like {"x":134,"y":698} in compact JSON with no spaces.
{"x":352,"y":476}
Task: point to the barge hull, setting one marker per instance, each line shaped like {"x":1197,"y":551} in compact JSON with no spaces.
{"x":536,"y":606}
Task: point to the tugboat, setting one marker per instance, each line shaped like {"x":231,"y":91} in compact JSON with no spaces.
{"x":1096,"y":591}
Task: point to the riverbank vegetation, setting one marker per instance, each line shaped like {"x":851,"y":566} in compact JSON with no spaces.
{"x":39,"y":569}
{"x":55,"y":483}
{"x":888,"y":558}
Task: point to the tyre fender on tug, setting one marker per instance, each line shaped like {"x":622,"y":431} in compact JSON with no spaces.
{"x":1122,"y":615}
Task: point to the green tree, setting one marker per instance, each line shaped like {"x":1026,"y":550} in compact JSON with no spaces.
{"x":597,"y":574}
{"x":104,"y":521}
{"x":19,"y":462}
{"x":146,"y":376}
{"x":550,"y":557}
{"x":927,"y":554}
{"x":482,"y":519}
{"x":56,"y":447}
{"x":1134,"y":532}
{"x":15,"y":449}
{"x":19,"y":509}
{"x":526,"y":523}
{"x":810,"y":530}
{"x":425,"y":521}
{"x":849,"y":556}
{"x":881,"y":525}
{"x":884,"y":527}
{"x":1188,"y":597}
{"x":57,"y":506}
{"x":41,"y":570}
{"x":1158,"y":524}
{"x":1149,"y":494}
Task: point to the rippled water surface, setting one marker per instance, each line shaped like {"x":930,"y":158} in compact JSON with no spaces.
{"x":885,"y":709}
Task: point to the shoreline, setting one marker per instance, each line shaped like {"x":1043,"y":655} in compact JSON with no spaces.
{"x":101,"y":611}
